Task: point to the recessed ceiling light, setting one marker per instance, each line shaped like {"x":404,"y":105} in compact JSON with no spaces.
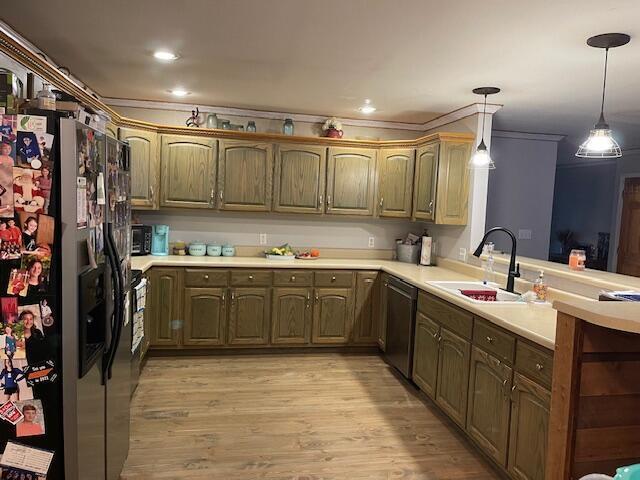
{"x":367,"y":107}
{"x":179,"y":92}
{"x":165,"y":55}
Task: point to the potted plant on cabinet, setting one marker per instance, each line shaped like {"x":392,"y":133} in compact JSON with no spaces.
{"x":332,"y":128}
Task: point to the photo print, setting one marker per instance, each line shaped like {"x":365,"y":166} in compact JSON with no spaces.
{"x":46,"y":313}
{"x":13,"y":385}
{"x":10,"y":239}
{"x":8,"y":128}
{"x":28,"y":195}
{"x":9,"y":308}
{"x":28,"y":150}
{"x":16,"y":474}
{"x":37,"y":233}
{"x":37,"y":268}
{"x":25,"y":334}
{"x":32,"y":422}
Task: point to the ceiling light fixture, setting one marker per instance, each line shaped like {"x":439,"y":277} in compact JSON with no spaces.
{"x":367,"y":108}
{"x":165,"y":55}
{"x":601,"y":143}
{"x":481,"y":160}
{"x":179,"y":92}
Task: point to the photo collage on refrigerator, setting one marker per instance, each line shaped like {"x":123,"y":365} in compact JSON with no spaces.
{"x":27,"y":233}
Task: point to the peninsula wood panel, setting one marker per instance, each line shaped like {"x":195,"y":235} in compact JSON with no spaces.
{"x":453,"y":376}
{"x":145,"y":167}
{"x":332,"y":316}
{"x":250,"y":316}
{"x":245,"y":179}
{"x":351,"y":174}
{"x":205,"y":316}
{"x":453,"y":184}
{"x":166,"y":307}
{"x":367,"y":308}
{"x":426,"y":354}
{"x":188,"y":171}
{"x":300,"y":174}
{"x":395,"y":182}
{"x":384,"y":304}
{"x":292,"y":315}
{"x":425,"y":182}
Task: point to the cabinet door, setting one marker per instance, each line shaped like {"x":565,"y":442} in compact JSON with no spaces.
{"x":249,"y":318}
{"x":425,"y":354}
{"x":144,"y":158}
{"x":291,"y":319}
{"x":367,"y":310}
{"x":453,"y":184}
{"x":395,"y":182}
{"x":351,"y":181}
{"x":529,"y":429}
{"x":489,"y":404}
{"x":204,"y":316}
{"x":300,"y":172}
{"x":332,"y":315}
{"x":166,"y":321}
{"x":246,"y":176}
{"x":188,"y":171}
{"x":384,"y":302}
{"x":453,"y":376}
{"x":425,"y":180}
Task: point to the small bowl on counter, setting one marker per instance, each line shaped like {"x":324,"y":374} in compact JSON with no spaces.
{"x":214,"y":250}
{"x":197,"y":249}
{"x":228,"y":251}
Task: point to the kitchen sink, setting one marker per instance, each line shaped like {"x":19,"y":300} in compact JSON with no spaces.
{"x":502,"y":296}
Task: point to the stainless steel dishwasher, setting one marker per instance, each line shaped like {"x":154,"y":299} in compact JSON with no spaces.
{"x":401,"y":314}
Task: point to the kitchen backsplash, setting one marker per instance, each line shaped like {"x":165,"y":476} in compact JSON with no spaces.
{"x":242,"y":229}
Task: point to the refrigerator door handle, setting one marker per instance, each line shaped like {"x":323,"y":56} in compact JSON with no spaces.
{"x":116,"y":329}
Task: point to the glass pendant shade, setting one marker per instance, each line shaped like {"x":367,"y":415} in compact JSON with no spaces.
{"x":481,"y":160}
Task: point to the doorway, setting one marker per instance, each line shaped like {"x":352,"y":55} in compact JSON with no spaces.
{"x":629,"y":239}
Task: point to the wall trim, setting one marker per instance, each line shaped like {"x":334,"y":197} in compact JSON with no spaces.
{"x":543,"y":137}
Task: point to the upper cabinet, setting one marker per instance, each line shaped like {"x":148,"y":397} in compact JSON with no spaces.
{"x":188,"y":171}
{"x":395,"y":182}
{"x":245,"y":176}
{"x":351,"y":174}
{"x":300,"y":173}
{"x":453,"y":183}
{"x":145,"y":165}
{"x":424,"y":183}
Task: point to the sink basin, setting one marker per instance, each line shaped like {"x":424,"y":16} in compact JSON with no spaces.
{"x":502,"y":296}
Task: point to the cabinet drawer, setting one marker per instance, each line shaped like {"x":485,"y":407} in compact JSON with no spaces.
{"x":453,"y":318}
{"x":205,"y":277}
{"x":333,"y":279}
{"x":534,"y":362}
{"x":284,"y":278}
{"x":494,"y":340}
{"x":250,"y":277}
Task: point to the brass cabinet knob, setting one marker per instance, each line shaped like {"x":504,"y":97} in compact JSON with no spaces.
{"x":539,"y":367}
{"x":293,"y":278}
{"x":333,"y":279}
{"x":489,"y":339}
{"x":206,"y":277}
{"x":250,"y":277}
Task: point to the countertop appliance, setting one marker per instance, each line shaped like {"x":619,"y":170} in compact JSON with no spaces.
{"x":401,"y":319}
{"x":141,"y":239}
{"x":138,"y":303}
{"x":160,"y":240}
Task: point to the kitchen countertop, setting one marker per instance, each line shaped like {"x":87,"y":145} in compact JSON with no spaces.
{"x":623,"y":316}
{"x":533,"y":322}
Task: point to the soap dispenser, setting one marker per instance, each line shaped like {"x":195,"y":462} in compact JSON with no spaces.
{"x":540,"y":287}
{"x":488,"y":264}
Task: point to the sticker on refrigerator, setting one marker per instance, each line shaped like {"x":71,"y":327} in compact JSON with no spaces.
{"x":32,"y":422}
{"x":29,"y":459}
{"x":9,"y":412}
{"x":32,"y":123}
{"x":81,"y":202}
{"x":43,"y":372}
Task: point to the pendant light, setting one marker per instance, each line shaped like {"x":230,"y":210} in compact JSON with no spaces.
{"x":481,"y":160}
{"x":601,"y":143}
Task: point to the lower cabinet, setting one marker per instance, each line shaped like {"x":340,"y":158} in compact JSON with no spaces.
{"x":529,"y":429}
{"x":249,"y":316}
{"x":367,"y":309}
{"x":205,"y":316}
{"x":453,"y":376}
{"x":291,"y":316}
{"x":489,"y":404}
{"x":166,"y":308}
{"x":332,"y":316}
{"x":425,"y":354}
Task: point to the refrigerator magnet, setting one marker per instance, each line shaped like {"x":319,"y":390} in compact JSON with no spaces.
{"x":32,"y":123}
{"x":81,"y":202}
{"x":32,"y":422}
{"x":43,"y":372}
{"x":29,"y":459}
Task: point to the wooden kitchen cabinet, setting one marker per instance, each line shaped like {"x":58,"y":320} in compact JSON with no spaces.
{"x":384,"y":303}
{"x":367,"y":308}
{"x":205,"y":316}
{"x":144,"y":159}
{"x":425,"y":182}
{"x":395,"y":182}
{"x":489,"y":404}
{"x":250,"y":316}
{"x":166,"y":309}
{"x":188,"y":171}
{"x":299,"y":178}
{"x":452,"y":192}
{"x":351,"y":174}
{"x":425,"y":354}
{"x":453,"y":376}
{"x":529,"y":429}
{"x":292,"y":315}
{"x":332,"y":315}
{"x":245,"y":177}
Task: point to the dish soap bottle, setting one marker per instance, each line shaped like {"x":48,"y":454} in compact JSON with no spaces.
{"x":488,"y":266}
{"x":540,"y":287}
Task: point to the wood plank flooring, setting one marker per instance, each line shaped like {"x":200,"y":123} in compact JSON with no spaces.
{"x":324,"y":416}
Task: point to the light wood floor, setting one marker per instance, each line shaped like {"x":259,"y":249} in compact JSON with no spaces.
{"x":303,"y":417}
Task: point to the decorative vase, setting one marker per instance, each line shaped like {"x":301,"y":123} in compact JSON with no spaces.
{"x":333,"y":133}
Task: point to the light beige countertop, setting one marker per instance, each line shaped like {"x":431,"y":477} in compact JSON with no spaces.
{"x":623,"y":316}
{"x":533,"y":322}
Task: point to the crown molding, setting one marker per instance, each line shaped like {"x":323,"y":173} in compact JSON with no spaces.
{"x":543,"y":137}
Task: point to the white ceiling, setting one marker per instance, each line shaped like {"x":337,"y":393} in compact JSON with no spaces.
{"x":411,"y":57}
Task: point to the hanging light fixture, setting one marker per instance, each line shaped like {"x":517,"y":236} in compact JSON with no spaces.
{"x":481,"y":160}
{"x":601,"y":143}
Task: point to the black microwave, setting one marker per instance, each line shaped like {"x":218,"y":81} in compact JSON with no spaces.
{"x":140,"y":239}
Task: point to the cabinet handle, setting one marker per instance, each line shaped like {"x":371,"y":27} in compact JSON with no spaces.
{"x":293,"y":278}
{"x":308,"y":299}
{"x":320,"y":198}
{"x":513,"y":389}
{"x":368,"y":280}
{"x":152,"y":192}
{"x":233,"y":297}
{"x":435,"y":335}
{"x":221,"y":194}
{"x":489,"y":339}
{"x":381,"y":201}
{"x":430,"y":207}
{"x":539,"y":367}
{"x":206,"y":277}
{"x":386,"y":284}
{"x":504,"y":383}
{"x":212,"y":196}
{"x":439,"y":338}
{"x":328,"y":200}
{"x":317,"y":297}
{"x":224,"y":299}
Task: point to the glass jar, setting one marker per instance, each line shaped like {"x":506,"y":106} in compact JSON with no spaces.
{"x":46,"y":98}
{"x":251,"y":126}
{"x":212,"y":120}
{"x":287,"y":127}
{"x":226,"y":124}
{"x":577,"y":260}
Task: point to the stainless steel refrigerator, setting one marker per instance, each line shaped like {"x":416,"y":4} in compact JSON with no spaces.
{"x":95,"y":297}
